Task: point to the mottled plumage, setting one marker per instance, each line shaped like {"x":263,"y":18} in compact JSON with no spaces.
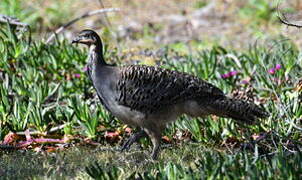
{"x":150,"y":89}
{"x":149,"y":97}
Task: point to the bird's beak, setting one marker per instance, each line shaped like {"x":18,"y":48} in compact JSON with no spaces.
{"x":83,"y":40}
{"x":76,"y":40}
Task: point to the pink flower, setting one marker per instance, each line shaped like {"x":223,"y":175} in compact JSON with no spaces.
{"x":244,"y":81}
{"x":271,"y":71}
{"x":85,"y":68}
{"x":229,"y":74}
{"x":278,"y":66}
{"x":77,"y":75}
{"x":225,"y":76}
{"x":232,"y":73}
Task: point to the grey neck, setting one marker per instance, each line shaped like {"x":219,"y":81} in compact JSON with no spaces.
{"x":96,"y":57}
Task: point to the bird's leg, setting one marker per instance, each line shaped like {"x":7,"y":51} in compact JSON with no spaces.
{"x":155,"y":150}
{"x":134,"y":138}
{"x":155,"y":135}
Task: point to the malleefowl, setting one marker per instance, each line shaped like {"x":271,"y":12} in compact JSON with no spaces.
{"x":149,"y":97}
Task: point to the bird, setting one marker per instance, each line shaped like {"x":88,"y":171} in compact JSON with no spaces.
{"x":149,"y":97}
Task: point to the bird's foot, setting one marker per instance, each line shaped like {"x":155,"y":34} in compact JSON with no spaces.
{"x":155,"y":152}
{"x":134,"y":138}
{"x":127,"y":145}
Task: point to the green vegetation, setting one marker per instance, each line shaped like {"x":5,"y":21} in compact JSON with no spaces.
{"x":14,"y":8}
{"x":186,"y":161}
{"x":44,"y":90}
{"x":200,"y":4}
{"x":44,"y":86}
{"x":258,"y":11}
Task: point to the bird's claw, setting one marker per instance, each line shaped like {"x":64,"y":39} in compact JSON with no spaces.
{"x":134,"y":138}
{"x":127,"y":145}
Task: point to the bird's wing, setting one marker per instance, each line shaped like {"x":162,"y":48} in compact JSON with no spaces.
{"x":149,"y":89}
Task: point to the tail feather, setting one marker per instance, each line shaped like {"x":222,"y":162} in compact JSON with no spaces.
{"x":242,"y":111}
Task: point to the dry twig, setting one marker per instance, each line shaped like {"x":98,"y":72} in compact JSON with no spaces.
{"x":108,"y":24}
{"x":282,"y":18}
{"x":39,"y":133}
{"x":12,"y":21}
{"x":88,"y":14}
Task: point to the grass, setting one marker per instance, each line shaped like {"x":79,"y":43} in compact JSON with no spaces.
{"x":39,"y":19}
{"x":258,"y":11}
{"x":44,"y":86}
{"x":105,"y":161}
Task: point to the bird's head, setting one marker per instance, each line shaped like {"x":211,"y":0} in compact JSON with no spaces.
{"x":88,"y":37}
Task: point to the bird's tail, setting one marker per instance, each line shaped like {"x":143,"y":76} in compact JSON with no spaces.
{"x":242,"y":111}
